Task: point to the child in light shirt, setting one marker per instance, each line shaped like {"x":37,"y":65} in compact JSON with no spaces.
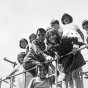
{"x":42,"y":81}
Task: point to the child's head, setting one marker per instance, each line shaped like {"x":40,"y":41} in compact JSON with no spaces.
{"x":52,"y":37}
{"x":66,"y":19}
{"x":21,"y":57}
{"x":41,"y":34}
{"x":23,"y":43}
{"x":85,"y":25}
{"x":32,"y":37}
{"x":55,"y":24}
{"x":42,"y":70}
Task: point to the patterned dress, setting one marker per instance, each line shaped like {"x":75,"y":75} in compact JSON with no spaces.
{"x":70,"y":62}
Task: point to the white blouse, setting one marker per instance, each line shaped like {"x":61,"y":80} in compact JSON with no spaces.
{"x":70,"y":30}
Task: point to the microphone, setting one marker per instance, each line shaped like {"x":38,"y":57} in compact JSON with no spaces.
{"x":10,"y":61}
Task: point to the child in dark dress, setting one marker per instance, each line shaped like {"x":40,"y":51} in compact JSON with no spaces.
{"x":64,"y":45}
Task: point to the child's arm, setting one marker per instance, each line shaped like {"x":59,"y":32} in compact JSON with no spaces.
{"x":81,"y":34}
{"x":52,"y":77}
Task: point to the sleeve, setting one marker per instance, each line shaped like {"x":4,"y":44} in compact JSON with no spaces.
{"x":26,"y":58}
{"x":27,"y":64}
{"x":60,"y":29}
{"x":35,"y":45}
{"x":50,"y":51}
{"x":76,"y":27}
{"x":31,"y":83}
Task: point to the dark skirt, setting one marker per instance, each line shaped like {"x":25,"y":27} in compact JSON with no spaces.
{"x":72,"y":62}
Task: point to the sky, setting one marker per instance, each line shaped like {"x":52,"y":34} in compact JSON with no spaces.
{"x":20,"y":18}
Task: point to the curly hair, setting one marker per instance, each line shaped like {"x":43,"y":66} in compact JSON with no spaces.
{"x":50,"y":33}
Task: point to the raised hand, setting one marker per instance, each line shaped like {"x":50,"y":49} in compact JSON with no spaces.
{"x":74,"y":50}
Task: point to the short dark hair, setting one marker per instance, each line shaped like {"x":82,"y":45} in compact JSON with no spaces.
{"x":23,"y":39}
{"x":70,"y":18}
{"x":41,"y":30}
{"x":22,"y":54}
{"x":84,"y":23}
{"x":53,"y":22}
{"x":41,"y":65}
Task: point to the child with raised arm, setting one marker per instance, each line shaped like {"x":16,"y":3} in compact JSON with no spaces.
{"x":42,"y":81}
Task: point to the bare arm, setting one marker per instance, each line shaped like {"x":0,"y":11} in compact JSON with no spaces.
{"x":81,"y":34}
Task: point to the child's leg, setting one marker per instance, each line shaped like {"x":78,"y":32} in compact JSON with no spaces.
{"x":70,"y":81}
{"x":75,"y":78}
{"x":64,"y":77}
{"x":65,"y":80}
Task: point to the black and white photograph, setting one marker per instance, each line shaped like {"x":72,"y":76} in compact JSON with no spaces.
{"x":44,"y":44}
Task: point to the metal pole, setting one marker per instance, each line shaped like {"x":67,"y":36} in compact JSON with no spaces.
{"x":0,"y":82}
{"x":18,"y":73}
{"x":44,"y":62}
{"x":56,"y":78}
{"x":11,"y":82}
{"x":12,"y":79}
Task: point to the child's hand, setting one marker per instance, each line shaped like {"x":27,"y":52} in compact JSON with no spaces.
{"x":57,"y":56}
{"x":74,"y":50}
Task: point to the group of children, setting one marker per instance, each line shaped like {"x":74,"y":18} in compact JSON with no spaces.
{"x":55,"y":42}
